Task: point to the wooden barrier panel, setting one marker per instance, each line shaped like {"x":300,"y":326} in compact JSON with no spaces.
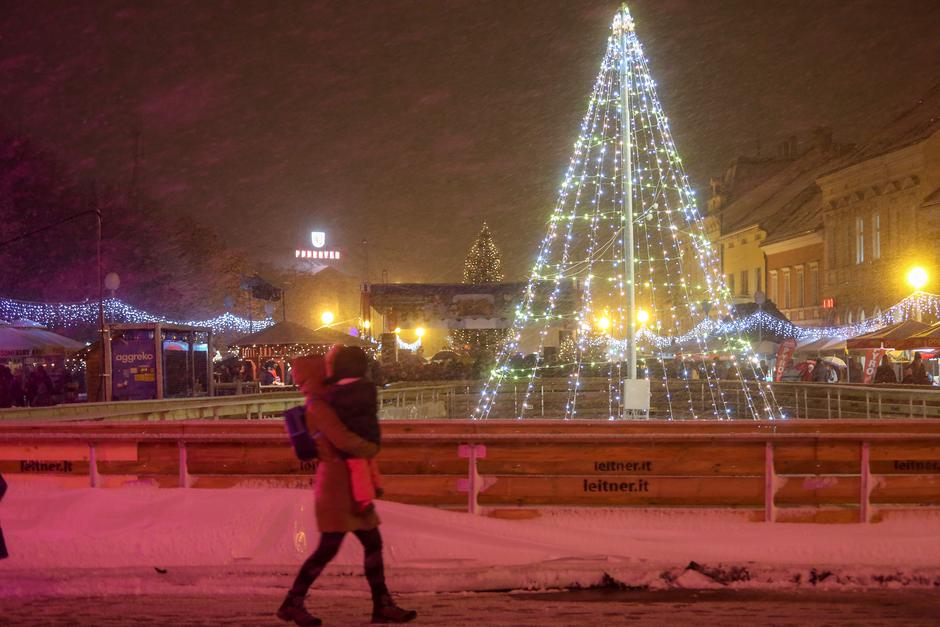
{"x":816,"y":457}
{"x":610,"y":458}
{"x":818,"y":490}
{"x":907,"y":489}
{"x":632,"y":490}
{"x":820,"y":465}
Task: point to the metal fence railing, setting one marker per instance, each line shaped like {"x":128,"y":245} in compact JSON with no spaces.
{"x":542,"y":399}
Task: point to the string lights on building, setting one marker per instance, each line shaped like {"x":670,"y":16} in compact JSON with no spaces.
{"x":66,"y":315}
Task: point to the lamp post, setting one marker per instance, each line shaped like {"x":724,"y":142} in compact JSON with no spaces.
{"x":112,"y":281}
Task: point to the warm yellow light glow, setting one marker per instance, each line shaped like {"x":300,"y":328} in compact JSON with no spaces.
{"x":366,"y":324}
{"x":917,"y":277}
{"x":327,"y":317}
{"x":419,"y":331}
{"x":642,"y":316}
{"x":397,"y":330}
{"x":603,"y":323}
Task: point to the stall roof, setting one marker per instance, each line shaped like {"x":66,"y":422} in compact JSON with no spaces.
{"x":928,"y":338}
{"x":32,"y":342}
{"x":288,"y":333}
{"x":887,"y":337}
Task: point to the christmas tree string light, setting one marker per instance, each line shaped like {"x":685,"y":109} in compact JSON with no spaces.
{"x":625,"y":164}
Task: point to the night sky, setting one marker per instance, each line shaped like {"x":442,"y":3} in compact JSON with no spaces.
{"x":409,"y":123}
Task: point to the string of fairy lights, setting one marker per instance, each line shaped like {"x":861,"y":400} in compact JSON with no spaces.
{"x":67,"y":315}
{"x":674,"y":265}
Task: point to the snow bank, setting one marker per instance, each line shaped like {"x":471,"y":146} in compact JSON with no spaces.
{"x":57,"y":537}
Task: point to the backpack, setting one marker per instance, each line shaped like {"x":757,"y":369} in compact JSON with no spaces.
{"x":305,"y":448}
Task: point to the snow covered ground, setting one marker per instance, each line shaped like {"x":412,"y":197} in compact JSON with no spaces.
{"x":142,"y":539}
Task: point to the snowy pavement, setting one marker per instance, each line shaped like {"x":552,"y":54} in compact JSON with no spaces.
{"x":605,"y":607}
{"x":141,"y":540}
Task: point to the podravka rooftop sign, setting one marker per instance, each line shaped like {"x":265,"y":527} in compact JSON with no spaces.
{"x":318,"y":240}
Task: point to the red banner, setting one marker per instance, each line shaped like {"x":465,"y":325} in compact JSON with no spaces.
{"x":872,"y":360}
{"x":784,"y":356}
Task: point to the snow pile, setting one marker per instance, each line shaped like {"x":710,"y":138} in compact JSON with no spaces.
{"x":140,"y":537}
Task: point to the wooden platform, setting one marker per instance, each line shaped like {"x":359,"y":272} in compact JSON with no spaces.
{"x":812,"y":470}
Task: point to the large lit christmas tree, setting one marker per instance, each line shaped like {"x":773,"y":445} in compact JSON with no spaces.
{"x":635,"y":300}
{"x":482,"y":265}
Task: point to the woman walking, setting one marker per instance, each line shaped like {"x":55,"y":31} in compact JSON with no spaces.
{"x":335,"y":510}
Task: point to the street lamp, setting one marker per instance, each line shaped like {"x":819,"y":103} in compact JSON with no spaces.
{"x":917,"y":278}
{"x":397,"y":330}
{"x":642,"y":316}
{"x":327,"y":318}
{"x":603,"y":323}
{"x":419,"y":332}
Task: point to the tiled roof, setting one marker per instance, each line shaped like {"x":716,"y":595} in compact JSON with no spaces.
{"x":767,"y":204}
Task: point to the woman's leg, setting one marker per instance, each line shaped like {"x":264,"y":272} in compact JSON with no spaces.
{"x":374,"y":565}
{"x":384,"y":608}
{"x":311,"y":569}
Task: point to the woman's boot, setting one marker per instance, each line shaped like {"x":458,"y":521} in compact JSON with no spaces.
{"x":292,"y":609}
{"x":384,"y":610}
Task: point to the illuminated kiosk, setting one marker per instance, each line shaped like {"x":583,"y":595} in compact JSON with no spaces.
{"x":155,"y":361}
{"x":283,"y":341}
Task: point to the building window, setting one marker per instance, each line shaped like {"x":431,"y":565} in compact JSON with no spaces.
{"x":744,"y":291}
{"x":758,"y":284}
{"x":859,"y":240}
{"x":814,"y":284}
{"x":786,"y":288}
{"x":896,"y":231}
{"x":799,"y":286}
{"x":876,"y":236}
{"x":731,"y":284}
{"x":772,"y":286}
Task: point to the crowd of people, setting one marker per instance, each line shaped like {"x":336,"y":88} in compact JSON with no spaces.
{"x":913,"y":373}
{"x":414,"y":370}
{"x":23,"y":385}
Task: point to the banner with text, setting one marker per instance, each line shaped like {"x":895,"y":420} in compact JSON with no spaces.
{"x":133,"y":369}
{"x":784,"y":356}
{"x":872,"y":359}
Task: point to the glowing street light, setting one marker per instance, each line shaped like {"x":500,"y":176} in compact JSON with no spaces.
{"x":419,"y":332}
{"x":397,"y":330}
{"x":366,"y":325}
{"x":642,"y":316}
{"x":602,"y":323}
{"x":327,"y":317}
{"x":917,"y":278}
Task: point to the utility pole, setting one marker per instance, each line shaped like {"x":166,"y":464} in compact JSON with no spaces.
{"x":105,"y":377}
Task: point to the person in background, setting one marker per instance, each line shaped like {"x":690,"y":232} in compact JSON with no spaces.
{"x":908,"y":378}
{"x":885,"y":372}
{"x":269,"y":375}
{"x":6,"y":386}
{"x":918,"y":371}
{"x":39,"y":388}
{"x":821,"y":372}
{"x":3,"y":546}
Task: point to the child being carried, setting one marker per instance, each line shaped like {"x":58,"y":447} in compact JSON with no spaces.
{"x":355,"y":400}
